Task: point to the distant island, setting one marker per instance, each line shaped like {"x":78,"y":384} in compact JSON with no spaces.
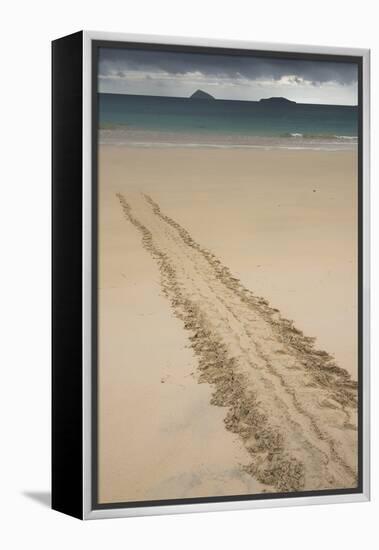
{"x":277,"y":101}
{"x":199,"y":94}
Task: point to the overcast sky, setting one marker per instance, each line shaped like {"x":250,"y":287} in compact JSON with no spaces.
{"x":179,"y":74}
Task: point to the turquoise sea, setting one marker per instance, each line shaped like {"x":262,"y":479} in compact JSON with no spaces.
{"x":169,"y":121}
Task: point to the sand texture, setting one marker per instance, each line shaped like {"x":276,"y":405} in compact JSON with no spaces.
{"x":189,"y":240}
{"x":292,"y":406}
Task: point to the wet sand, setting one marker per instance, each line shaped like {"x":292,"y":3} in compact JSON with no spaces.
{"x":285,"y":233}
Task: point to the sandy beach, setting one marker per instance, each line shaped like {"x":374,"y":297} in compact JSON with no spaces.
{"x":227,"y":322}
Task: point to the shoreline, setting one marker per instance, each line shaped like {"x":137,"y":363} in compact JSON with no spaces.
{"x":138,"y":138}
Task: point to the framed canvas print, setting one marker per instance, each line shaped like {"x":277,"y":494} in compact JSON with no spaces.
{"x":210,"y":275}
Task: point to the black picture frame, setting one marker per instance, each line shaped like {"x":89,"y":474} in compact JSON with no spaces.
{"x":69,"y":431}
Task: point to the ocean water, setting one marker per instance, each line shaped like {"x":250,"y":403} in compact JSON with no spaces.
{"x":150,"y":121}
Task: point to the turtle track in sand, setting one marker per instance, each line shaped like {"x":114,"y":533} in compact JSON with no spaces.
{"x":293,"y":407}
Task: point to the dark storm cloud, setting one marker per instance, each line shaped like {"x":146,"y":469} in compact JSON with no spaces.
{"x":120,"y":61}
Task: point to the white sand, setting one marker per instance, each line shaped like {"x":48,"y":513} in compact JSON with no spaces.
{"x":258,"y":212}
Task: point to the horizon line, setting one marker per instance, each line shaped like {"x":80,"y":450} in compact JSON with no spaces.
{"x":233,"y":100}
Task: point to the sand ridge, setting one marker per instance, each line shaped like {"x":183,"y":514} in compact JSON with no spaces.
{"x":293,"y":407}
